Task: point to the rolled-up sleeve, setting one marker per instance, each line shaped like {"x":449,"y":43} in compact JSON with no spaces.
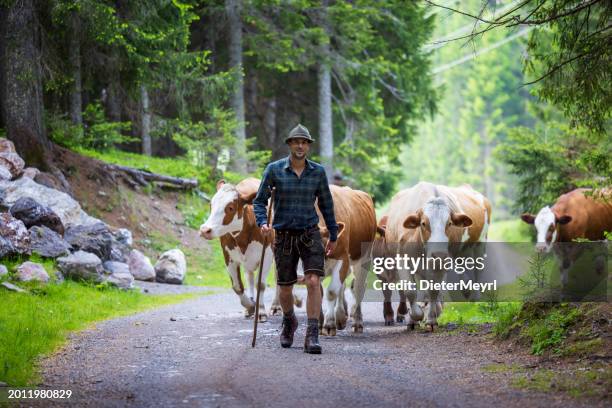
{"x":326,"y":206}
{"x":261,"y":199}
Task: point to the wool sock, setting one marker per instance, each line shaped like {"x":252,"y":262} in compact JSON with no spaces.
{"x":313,"y":322}
{"x":289,"y":313}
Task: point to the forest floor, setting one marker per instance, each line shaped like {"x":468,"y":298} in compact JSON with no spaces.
{"x":198,"y":353}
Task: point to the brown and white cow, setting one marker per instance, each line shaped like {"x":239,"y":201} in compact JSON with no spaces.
{"x":427,"y":218}
{"x":232,"y":220}
{"x":574,"y":215}
{"x":354,"y":211}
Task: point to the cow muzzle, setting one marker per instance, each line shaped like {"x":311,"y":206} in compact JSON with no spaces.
{"x":206,"y":232}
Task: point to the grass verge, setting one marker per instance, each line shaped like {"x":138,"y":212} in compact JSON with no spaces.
{"x":37,"y":323}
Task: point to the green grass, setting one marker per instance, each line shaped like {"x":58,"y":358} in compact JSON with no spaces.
{"x":37,"y":323}
{"x":513,"y":230}
{"x":474,"y":312}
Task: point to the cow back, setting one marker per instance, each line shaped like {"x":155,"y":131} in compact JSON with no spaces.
{"x":591,"y":214}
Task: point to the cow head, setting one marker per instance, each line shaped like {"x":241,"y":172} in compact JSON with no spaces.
{"x":434,"y":222}
{"x":547,"y":227}
{"x":226,"y":211}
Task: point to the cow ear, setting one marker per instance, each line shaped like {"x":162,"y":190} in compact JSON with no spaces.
{"x":248,"y":198}
{"x":220,"y":183}
{"x":381,"y":230}
{"x":528,"y":218}
{"x":461,"y":220}
{"x":564,"y":219}
{"x":412,"y":221}
{"x":341,"y":226}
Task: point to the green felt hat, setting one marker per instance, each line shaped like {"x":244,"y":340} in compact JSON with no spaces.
{"x":299,"y":132}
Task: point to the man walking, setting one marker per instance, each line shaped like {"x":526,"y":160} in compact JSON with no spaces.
{"x":298,"y":182}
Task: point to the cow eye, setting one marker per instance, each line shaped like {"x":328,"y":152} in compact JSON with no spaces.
{"x":423,"y":223}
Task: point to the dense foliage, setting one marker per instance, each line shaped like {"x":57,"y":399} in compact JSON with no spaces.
{"x":515,"y":121}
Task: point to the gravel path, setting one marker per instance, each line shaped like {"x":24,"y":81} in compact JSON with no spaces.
{"x":198,"y":354}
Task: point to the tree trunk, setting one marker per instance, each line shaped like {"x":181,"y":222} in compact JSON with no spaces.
{"x":74,"y":56}
{"x":234,"y":10}
{"x":325,"y":120}
{"x":145,"y":125}
{"x":113,"y":103}
{"x":22,"y":83}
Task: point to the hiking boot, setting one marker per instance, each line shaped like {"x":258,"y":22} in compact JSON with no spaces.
{"x":311,"y":342}
{"x":290,"y":324}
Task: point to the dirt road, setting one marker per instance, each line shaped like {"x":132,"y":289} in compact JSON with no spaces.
{"x":198,"y":354}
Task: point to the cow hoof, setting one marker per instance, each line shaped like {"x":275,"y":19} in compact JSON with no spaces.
{"x":389,"y":322}
{"x":276,"y":310}
{"x":329,"y":331}
{"x":263,"y":318}
{"x":340,"y":326}
{"x":411,"y":326}
{"x":431,"y":326}
{"x":400,"y":318}
{"x":297,"y":301}
{"x":358,"y":329}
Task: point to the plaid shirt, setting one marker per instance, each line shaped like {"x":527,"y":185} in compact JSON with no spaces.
{"x":295,"y":197}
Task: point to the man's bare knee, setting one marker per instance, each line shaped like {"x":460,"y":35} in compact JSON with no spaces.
{"x":312,"y":281}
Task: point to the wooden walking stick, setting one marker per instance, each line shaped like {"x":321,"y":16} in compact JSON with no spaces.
{"x":261,"y":260}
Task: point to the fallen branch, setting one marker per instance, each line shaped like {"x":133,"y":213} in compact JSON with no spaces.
{"x":142,"y":177}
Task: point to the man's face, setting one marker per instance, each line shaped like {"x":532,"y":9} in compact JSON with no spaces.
{"x":299,"y":148}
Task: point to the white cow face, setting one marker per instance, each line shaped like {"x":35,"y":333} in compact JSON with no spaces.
{"x":226,"y":212}
{"x":546,"y":224}
{"x":434,"y":221}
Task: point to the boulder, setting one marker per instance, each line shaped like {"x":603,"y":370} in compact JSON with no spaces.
{"x":12,"y":162}
{"x":119,"y":274}
{"x":3,"y":271}
{"x":14,"y":237}
{"x":32,"y":213}
{"x":111,"y":267}
{"x":121,"y":280}
{"x":140,"y":266}
{"x":81,"y":265}
{"x":124,"y":236}
{"x":95,"y":238}
{"x":30,"y":271}
{"x":7,"y":146}
{"x":121,"y":245}
{"x":171,"y":267}
{"x":48,"y":243}
{"x":5,"y":174}
{"x":68,"y":210}
{"x":31,"y":172}
{"x":10,"y":286}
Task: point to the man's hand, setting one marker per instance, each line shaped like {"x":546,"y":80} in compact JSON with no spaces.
{"x":265,"y":229}
{"x":329,"y":248}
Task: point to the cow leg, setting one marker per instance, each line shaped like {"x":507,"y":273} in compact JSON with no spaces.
{"x":359,"y":282}
{"x":340,"y":310}
{"x":331,"y":296}
{"x":388,"y":308}
{"x":234,"y":271}
{"x":402,"y":308}
{"x":275,"y":308}
{"x":341,"y":313}
{"x":415,"y":314}
{"x":434,"y":308}
{"x":265,"y":270}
